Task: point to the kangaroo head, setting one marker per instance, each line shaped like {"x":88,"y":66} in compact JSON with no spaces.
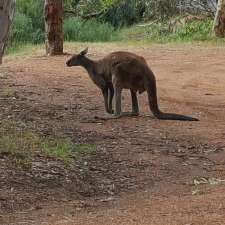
{"x":76,"y":60}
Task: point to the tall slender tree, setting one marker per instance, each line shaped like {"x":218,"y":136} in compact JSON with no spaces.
{"x":53,"y":11}
{"x":7,"y":8}
{"x":219,"y":22}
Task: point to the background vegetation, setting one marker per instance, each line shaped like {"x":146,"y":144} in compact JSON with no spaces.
{"x":116,"y":20}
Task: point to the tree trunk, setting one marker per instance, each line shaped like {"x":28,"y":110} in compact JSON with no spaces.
{"x":7,"y":8}
{"x":54,"y":27}
{"x":219,"y":22}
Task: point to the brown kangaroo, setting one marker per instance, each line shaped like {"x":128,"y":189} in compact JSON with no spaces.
{"x":124,"y":70}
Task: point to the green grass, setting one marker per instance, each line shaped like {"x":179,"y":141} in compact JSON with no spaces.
{"x":24,"y":50}
{"x":198,"y":31}
{"x":65,"y":149}
{"x":194,"y":31}
{"x":7,"y":93}
{"x":23,"y":145}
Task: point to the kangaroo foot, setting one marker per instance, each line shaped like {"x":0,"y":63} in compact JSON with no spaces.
{"x":110,"y":111}
{"x":130,"y":114}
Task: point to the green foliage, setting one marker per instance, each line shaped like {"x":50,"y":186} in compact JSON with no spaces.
{"x":161,"y":32}
{"x":122,"y":14}
{"x":160,"y":9}
{"x":28,"y":24}
{"x":87,"y":6}
{"x":33,"y":9}
{"x":70,"y":3}
{"x":153,"y":32}
{"x":197,"y":31}
{"x":83,"y":7}
{"x":22,"y":27}
{"x":125,"y":12}
{"x":108,"y":3}
{"x":76,"y":29}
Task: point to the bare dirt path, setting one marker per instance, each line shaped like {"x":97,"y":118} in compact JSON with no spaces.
{"x":144,"y":170}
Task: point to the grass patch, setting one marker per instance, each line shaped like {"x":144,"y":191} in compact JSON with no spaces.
{"x":65,"y":149}
{"x":8,"y":93}
{"x":194,"y":31}
{"x":24,"y":49}
{"x":23,"y":145}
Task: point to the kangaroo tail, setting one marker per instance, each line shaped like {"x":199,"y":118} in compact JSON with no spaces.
{"x":153,"y":104}
{"x":173,"y":116}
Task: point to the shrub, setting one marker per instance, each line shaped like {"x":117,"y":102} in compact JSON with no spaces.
{"x":122,"y":14}
{"x":199,"y":31}
{"x":93,"y":31}
{"x":34,"y":10}
{"x":162,"y":32}
{"x":21,"y":29}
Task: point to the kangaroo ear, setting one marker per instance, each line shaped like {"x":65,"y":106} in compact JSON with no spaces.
{"x":84,"y":52}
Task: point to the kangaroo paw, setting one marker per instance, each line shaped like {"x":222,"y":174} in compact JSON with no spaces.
{"x":130,"y":114}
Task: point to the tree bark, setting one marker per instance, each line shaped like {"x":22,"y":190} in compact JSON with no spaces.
{"x":219,"y":22}
{"x":7,"y":8}
{"x":54,"y":27}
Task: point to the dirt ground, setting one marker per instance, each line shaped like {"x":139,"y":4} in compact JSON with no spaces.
{"x":145,"y":171}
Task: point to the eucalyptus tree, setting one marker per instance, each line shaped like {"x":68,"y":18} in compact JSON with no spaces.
{"x":7,"y":9}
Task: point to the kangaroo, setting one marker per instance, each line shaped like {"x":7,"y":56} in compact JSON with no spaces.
{"x":124,"y":70}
